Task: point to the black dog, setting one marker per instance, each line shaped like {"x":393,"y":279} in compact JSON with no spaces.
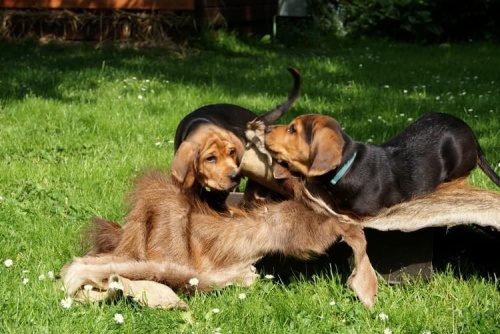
{"x":363,"y":179}
{"x":232,"y":117}
{"x":235,"y":119}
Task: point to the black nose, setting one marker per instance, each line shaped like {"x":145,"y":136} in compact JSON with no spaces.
{"x":267,"y":129}
{"x":234,"y":177}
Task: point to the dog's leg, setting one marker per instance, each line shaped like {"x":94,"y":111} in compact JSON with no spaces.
{"x":97,"y":270}
{"x":302,"y":232}
{"x":363,"y":280}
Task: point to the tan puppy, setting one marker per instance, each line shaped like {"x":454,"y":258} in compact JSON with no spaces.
{"x":208,"y":157}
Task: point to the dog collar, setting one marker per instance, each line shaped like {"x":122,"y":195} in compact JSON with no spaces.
{"x":343,"y":170}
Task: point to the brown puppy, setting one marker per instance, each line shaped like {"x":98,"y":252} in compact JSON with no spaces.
{"x":363,"y":179}
{"x":171,"y":236}
{"x":233,"y":118}
{"x":208,"y":157}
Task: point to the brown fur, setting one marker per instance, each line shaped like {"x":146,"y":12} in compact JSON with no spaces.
{"x":171,"y":236}
{"x":452,"y":204}
{"x":209,"y":157}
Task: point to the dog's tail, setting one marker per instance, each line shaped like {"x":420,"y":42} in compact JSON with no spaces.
{"x":485,"y":166}
{"x":105,"y":236}
{"x":280,"y":110}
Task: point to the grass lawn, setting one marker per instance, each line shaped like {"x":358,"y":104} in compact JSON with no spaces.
{"x":77,"y":123}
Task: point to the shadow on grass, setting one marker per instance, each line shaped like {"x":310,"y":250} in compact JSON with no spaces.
{"x":468,"y":251}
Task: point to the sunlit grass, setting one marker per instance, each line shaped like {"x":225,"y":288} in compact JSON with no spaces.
{"x":77,"y":123}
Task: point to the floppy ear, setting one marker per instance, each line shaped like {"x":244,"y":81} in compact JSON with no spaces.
{"x":240,"y":148}
{"x":326,"y":150}
{"x":280,"y":172}
{"x":183,"y":167}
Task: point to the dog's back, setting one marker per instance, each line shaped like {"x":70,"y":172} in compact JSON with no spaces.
{"x":228,"y":116}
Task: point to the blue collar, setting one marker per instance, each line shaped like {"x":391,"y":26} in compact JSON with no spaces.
{"x":343,"y":170}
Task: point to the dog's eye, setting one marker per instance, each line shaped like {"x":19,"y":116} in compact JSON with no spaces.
{"x":211,"y":159}
{"x":291,"y":129}
{"x":232,"y":152}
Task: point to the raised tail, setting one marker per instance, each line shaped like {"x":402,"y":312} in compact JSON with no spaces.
{"x":280,"y":110}
{"x":485,"y":166}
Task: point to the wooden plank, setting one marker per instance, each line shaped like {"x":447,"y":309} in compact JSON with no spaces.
{"x":101,"y":4}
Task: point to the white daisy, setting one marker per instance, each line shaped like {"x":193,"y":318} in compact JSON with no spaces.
{"x":269,"y":276}
{"x":50,"y":274}
{"x":332,"y":302}
{"x":87,"y":287}
{"x":41,"y":277}
{"x":194,"y":281}
{"x":118,"y":318}
{"x":383,"y":316}
{"x":66,"y":302}
{"x":242,"y":296}
{"x":8,"y":263}
{"x":387,"y":331}
{"x":216,"y":310}
{"x":26,"y":281}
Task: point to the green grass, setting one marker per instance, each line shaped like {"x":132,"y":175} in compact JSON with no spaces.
{"x":73,"y":132}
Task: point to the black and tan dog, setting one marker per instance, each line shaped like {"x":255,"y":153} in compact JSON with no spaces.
{"x":231,"y":118}
{"x":363,"y":179}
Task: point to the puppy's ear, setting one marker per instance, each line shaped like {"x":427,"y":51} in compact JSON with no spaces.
{"x":326,"y":150}
{"x":183,"y":167}
{"x":280,"y":172}
{"x":240,"y":148}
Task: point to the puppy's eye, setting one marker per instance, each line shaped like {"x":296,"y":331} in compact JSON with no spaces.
{"x":211,"y":159}
{"x":232,"y":152}
{"x":291,"y":129}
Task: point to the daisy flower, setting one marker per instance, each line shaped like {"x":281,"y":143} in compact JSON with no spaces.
{"x":66,"y":302}
{"x":269,"y":276}
{"x":41,"y":277}
{"x":26,"y":281}
{"x":242,"y":296}
{"x":332,"y":302}
{"x":118,"y":318}
{"x":383,"y":316}
{"x":87,"y":287}
{"x":50,"y":274}
{"x":387,"y":331}
{"x":8,"y":263}
{"x":216,"y":310}
{"x":194,"y":282}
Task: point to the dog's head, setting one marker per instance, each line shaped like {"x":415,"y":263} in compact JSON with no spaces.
{"x":210,"y":156}
{"x":311,"y":145}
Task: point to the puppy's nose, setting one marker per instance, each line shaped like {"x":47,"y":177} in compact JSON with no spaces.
{"x":234,"y":177}
{"x":267,"y":129}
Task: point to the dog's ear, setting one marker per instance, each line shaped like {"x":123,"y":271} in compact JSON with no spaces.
{"x":183,"y":167}
{"x":240,"y":148}
{"x":280,"y":172}
{"x":326,"y":149}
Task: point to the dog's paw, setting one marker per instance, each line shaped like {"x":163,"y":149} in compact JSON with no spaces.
{"x":363,"y":281}
{"x":73,"y":277}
